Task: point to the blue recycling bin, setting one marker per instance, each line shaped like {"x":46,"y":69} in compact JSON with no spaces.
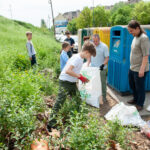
{"x":119,"y":60}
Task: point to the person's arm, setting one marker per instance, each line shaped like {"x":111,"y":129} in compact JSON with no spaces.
{"x":106,"y":60}
{"x":145,"y":46}
{"x":29,"y":48}
{"x":70,"y":72}
{"x":143,"y":66}
{"x":106,"y":55}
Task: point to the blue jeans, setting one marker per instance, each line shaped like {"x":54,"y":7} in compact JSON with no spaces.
{"x":137,"y":85}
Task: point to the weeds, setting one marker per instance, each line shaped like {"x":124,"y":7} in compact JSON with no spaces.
{"x":22,"y":89}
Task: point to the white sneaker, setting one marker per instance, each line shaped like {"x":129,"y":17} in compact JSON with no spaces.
{"x":148,"y":108}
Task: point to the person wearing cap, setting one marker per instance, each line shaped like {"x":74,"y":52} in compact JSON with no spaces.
{"x":71,"y":41}
{"x":30,"y":48}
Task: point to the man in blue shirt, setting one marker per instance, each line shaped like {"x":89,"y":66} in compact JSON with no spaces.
{"x":64,"y":57}
{"x":71,"y":41}
{"x":101,"y":61}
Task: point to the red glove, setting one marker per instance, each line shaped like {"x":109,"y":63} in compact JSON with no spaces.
{"x":83,"y":79}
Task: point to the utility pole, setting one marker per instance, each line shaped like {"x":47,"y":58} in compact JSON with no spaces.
{"x":50,"y":2}
{"x":49,"y":22}
{"x":10,"y":9}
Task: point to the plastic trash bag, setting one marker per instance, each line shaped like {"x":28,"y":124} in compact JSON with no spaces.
{"x":91,"y":91}
{"x":128,"y":115}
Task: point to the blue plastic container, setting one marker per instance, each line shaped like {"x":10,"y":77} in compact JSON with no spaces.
{"x":119,"y":60}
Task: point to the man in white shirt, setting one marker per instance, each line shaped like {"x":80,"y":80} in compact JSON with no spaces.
{"x":101,"y":61}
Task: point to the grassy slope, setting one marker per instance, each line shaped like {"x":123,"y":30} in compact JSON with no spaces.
{"x":21,"y":89}
{"x":13,"y":40}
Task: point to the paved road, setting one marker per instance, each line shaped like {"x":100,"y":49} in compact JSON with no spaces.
{"x":124,"y":99}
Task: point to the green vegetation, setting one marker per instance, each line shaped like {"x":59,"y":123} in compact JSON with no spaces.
{"x":120,"y":14}
{"x":21,"y":89}
{"x":21,"y":97}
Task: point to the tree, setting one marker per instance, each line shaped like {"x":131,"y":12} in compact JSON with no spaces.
{"x":117,"y":6}
{"x":101,"y":17}
{"x":122,"y":16}
{"x":72,"y":26}
{"x":43,"y":24}
{"x":141,"y":12}
{"x":85,"y":19}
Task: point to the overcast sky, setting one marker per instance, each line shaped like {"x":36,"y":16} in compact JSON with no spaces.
{"x":33,"y":11}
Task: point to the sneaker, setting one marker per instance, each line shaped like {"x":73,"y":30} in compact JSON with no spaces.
{"x":139,"y":108}
{"x":148,"y":108}
{"x":132,"y":102}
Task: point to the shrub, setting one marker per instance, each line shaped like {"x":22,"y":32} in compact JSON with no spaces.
{"x":21,"y":63}
{"x":20,"y":98}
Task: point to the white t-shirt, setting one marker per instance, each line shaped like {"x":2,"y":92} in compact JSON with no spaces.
{"x":75,"y":61}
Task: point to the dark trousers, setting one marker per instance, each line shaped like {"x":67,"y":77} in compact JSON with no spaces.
{"x":137,"y":85}
{"x":69,"y":53}
{"x":65,"y":89}
{"x":33,"y":61}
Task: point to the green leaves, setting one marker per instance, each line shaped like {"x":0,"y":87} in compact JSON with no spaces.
{"x":141,"y":12}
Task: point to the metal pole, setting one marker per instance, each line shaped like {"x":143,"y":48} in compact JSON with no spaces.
{"x":10,"y":8}
{"x":50,"y":2}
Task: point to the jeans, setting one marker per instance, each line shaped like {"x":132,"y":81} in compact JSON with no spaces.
{"x":103,"y":74}
{"x":137,"y":85}
{"x":33,"y":61}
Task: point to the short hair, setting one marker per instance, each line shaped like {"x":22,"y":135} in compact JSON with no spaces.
{"x":96,"y":36}
{"x":28,"y":33}
{"x":86,"y":38}
{"x":90,"y":47}
{"x":65,"y":44}
{"x":135,"y":24}
{"x":67,"y":32}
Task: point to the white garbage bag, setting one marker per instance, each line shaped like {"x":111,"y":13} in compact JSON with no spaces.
{"x":91,"y":91}
{"x":128,"y":115}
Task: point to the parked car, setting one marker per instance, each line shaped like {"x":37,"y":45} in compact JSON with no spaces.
{"x":58,"y":36}
{"x":75,"y":37}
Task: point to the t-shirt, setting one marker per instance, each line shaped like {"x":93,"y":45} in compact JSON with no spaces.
{"x":30,"y":48}
{"x":101,"y":53}
{"x":71,"y":41}
{"x":75,"y":61}
{"x":63,"y":59}
{"x":140,"y":47}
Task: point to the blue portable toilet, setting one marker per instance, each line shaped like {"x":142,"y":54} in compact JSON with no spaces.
{"x":119,"y":60}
